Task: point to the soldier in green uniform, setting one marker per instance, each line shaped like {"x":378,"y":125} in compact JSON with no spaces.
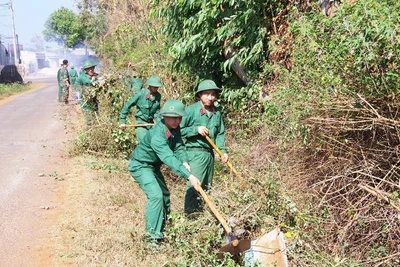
{"x":131,"y":81}
{"x":136,"y":84}
{"x":87,"y":85}
{"x":147,"y":104}
{"x":161,"y":145}
{"x":58,"y":82}
{"x":82,"y":71}
{"x":126,"y":79}
{"x":203,"y":119}
{"x":64,"y":82}
{"x":73,"y":75}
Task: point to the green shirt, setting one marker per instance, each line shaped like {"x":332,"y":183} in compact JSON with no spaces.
{"x":64,"y":77}
{"x":197,"y":116}
{"x":136,"y":84}
{"x":73,"y":74}
{"x":58,"y":76}
{"x":88,"y":90}
{"x":126,"y":81}
{"x":147,"y":107}
{"x":161,"y":145}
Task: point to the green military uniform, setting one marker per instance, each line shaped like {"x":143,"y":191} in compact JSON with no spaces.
{"x":73,"y":75}
{"x":147,"y":108}
{"x":160,"y":146}
{"x":87,"y":87}
{"x":131,"y":82}
{"x":136,"y":85}
{"x":59,"y":86}
{"x":64,"y":84}
{"x":200,"y":152}
{"x":126,"y":78}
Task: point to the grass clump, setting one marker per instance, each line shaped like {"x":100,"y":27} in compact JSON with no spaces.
{"x":9,"y":89}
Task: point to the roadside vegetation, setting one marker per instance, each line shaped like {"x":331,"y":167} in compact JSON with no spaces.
{"x":9,"y":89}
{"x":311,"y":108}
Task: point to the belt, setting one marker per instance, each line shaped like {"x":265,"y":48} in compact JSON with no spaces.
{"x":199,"y":149}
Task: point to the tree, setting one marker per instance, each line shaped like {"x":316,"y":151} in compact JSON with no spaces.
{"x":220,"y":35}
{"x":63,"y":27}
{"x":95,"y":27}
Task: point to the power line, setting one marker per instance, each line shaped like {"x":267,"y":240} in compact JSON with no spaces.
{"x":5,"y":37}
{"x":4,"y":25}
{"x":3,"y":9}
{"x":4,"y":12}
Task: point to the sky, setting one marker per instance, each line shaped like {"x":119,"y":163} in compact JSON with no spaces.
{"x":29,"y":18}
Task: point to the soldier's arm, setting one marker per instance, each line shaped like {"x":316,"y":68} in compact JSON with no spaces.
{"x":125,"y":110}
{"x":160,"y":146}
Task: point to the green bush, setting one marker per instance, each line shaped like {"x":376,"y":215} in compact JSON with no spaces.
{"x":202,"y":32}
{"x":10,"y":89}
{"x":356,"y":51}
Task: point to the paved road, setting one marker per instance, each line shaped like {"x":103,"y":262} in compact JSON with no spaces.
{"x":31,"y":143}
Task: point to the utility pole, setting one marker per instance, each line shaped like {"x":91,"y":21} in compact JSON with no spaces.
{"x":13,"y":29}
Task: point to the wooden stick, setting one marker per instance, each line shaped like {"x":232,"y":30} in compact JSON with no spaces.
{"x":379,"y":194}
{"x":227,"y":163}
{"x":228,"y":230}
{"x":139,"y":125}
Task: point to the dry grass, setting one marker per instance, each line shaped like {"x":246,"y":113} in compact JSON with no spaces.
{"x":345,"y":181}
{"x":352,"y":169}
{"x":103,"y":224}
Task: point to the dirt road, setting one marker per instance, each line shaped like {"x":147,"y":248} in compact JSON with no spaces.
{"x":32,"y":152}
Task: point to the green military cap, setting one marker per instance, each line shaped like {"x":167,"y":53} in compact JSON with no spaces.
{"x":88,"y":64}
{"x":207,"y":85}
{"x":154,"y":81}
{"x":173,"y":108}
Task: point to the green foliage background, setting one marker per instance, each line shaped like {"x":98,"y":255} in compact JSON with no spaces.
{"x":201,"y":30}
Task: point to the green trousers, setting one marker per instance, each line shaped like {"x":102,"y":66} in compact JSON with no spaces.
{"x":72,"y":82}
{"x":158,"y":207}
{"x":202,"y":166}
{"x":64,"y":94}
{"x":60,"y":90}
{"x":89,"y":111}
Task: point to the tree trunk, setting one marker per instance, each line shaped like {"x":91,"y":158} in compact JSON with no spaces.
{"x":236,"y":67}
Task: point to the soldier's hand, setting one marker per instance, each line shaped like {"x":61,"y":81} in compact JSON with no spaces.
{"x":194,"y":181}
{"x":187,"y":166}
{"x":122,"y":126}
{"x":203,"y":131}
{"x":225,"y":158}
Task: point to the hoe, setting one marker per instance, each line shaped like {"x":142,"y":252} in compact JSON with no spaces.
{"x":235,"y":246}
